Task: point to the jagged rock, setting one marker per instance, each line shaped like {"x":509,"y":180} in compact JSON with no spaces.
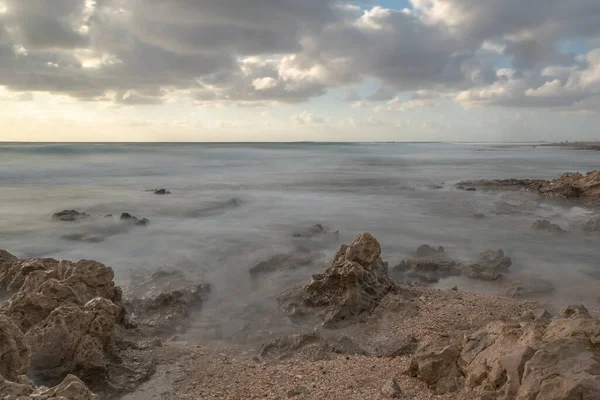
{"x":569,"y":186}
{"x":532,"y":358}
{"x":70,"y":216}
{"x":435,"y":363}
{"x":6,"y":258}
{"x":134,"y":220}
{"x":426,"y":251}
{"x":74,"y":340}
{"x":162,"y":305}
{"x":309,"y":346}
{"x":14,"y":353}
{"x":281,"y":262}
{"x":71,"y":388}
{"x":391,"y":390}
{"x":545,"y":225}
{"x":48,"y":284}
{"x":354,"y":282}
{"x":426,"y":271}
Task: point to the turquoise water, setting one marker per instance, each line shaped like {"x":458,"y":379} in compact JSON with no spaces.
{"x":402,"y":193}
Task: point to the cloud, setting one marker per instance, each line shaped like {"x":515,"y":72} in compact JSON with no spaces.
{"x":262,"y":52}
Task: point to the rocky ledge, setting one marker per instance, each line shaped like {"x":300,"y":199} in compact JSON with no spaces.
{"x":585,"y":188}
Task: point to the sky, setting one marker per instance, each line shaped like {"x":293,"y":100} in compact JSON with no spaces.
{"x":299,"y":70}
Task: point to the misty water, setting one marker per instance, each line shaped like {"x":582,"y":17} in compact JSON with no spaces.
{"x":233,"y":205}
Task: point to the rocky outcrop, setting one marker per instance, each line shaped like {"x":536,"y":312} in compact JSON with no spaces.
{"x":432,"y":265}
{"x":68,"y":314}
{"x":70,"y":216}
{"x":14,"y":353}
{"x":545,"y":225}
{"x":309,"y":346}
{"x":71,"y":388}
{"x":134,"y":220}
{"x":568,"y":186}
{"x":162,"y":305}
{"x":354,"y":283}
{"x":531,"y":358}
{"x":281,"y":262}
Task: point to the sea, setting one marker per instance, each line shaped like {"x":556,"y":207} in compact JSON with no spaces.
{"x":233,"y":205}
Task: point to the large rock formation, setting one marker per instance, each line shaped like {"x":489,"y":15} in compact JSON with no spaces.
{"x":355,"y":282}
{"x":71,"y":388}
{"x":69,"y":314}
{"x":162,"y":305}
{"x":533,"y":358}
{"x":569,"y":186}
{"x":14,"y":353}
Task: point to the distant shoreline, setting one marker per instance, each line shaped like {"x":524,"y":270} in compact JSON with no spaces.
{"x":576,"y":145}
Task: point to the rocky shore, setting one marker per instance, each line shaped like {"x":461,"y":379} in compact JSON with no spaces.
{"x":358,"y":330}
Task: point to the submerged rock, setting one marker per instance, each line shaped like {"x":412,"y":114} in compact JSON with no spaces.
{"x":593,"y":225}
{"x":426,"y":251}
{"x":545,"y":225}
{"x":490,"y":266}
{"x":532,"y":358}
{"x":354,"y":283}
{"x":162,"y":305}
{"x":281,"y":262}
{"x":161,"y":192}
{"x":134,"y":220}
{"x":425,"y":271}
{"x":70,"y":216}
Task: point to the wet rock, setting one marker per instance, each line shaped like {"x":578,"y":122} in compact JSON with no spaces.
{"x":162,"y":305}
{"x":490,"y":266}
{"x":14,"y":353}
{"x":545,"y":225}
{"x":70,"y":216}
{"x":134,"y":220}
{"x":315,"y":230}
{"x":281,"y":262}
{"x":309,"y":346}
{"x":391,"y":390}
{"x":84,"y":237}
{"x":478,"y":215}
{"x":426,"y":251}
{"x":470,"y":189}
{"x":593,"y":225}
{"x":355,"y":282}
{"x":529,"y":287}
{"x":161,"y":192}
{"x":425,"y":271}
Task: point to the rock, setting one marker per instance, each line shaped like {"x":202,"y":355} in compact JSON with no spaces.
{"x":74,"y":340}
{"x":578,"y":311}
{"x":45,"y":284}
{"x":570,"y":186}
{"x":545,"y":225}
{"x":315,"y":230}
{"x":134,"y":220}
{"x":71,"y":388}
{"x":281,"y":262}
{"x":470,"y":189}
{"x":426,"y":251}
{"x":391,"y":390}
{"x":532,"y":358}
{"x":14,"y":352}
{"x":479,"y":215}
{"x":309,"y":346}
{"x":435,"y":363}
{"x":395,"y":347}
{"x":490,"y":266}
{"x":162,"y":305}
{"x":593,"y":225}
{"x":161,"y":192}
{"x":355,"y":282}
{"x":70,"y":216}
{"x":532,"y":286}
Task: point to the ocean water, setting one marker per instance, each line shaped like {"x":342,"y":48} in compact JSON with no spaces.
{"x":233,"y":205}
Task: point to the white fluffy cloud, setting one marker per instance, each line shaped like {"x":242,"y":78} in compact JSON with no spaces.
{"x":136,"y":52}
